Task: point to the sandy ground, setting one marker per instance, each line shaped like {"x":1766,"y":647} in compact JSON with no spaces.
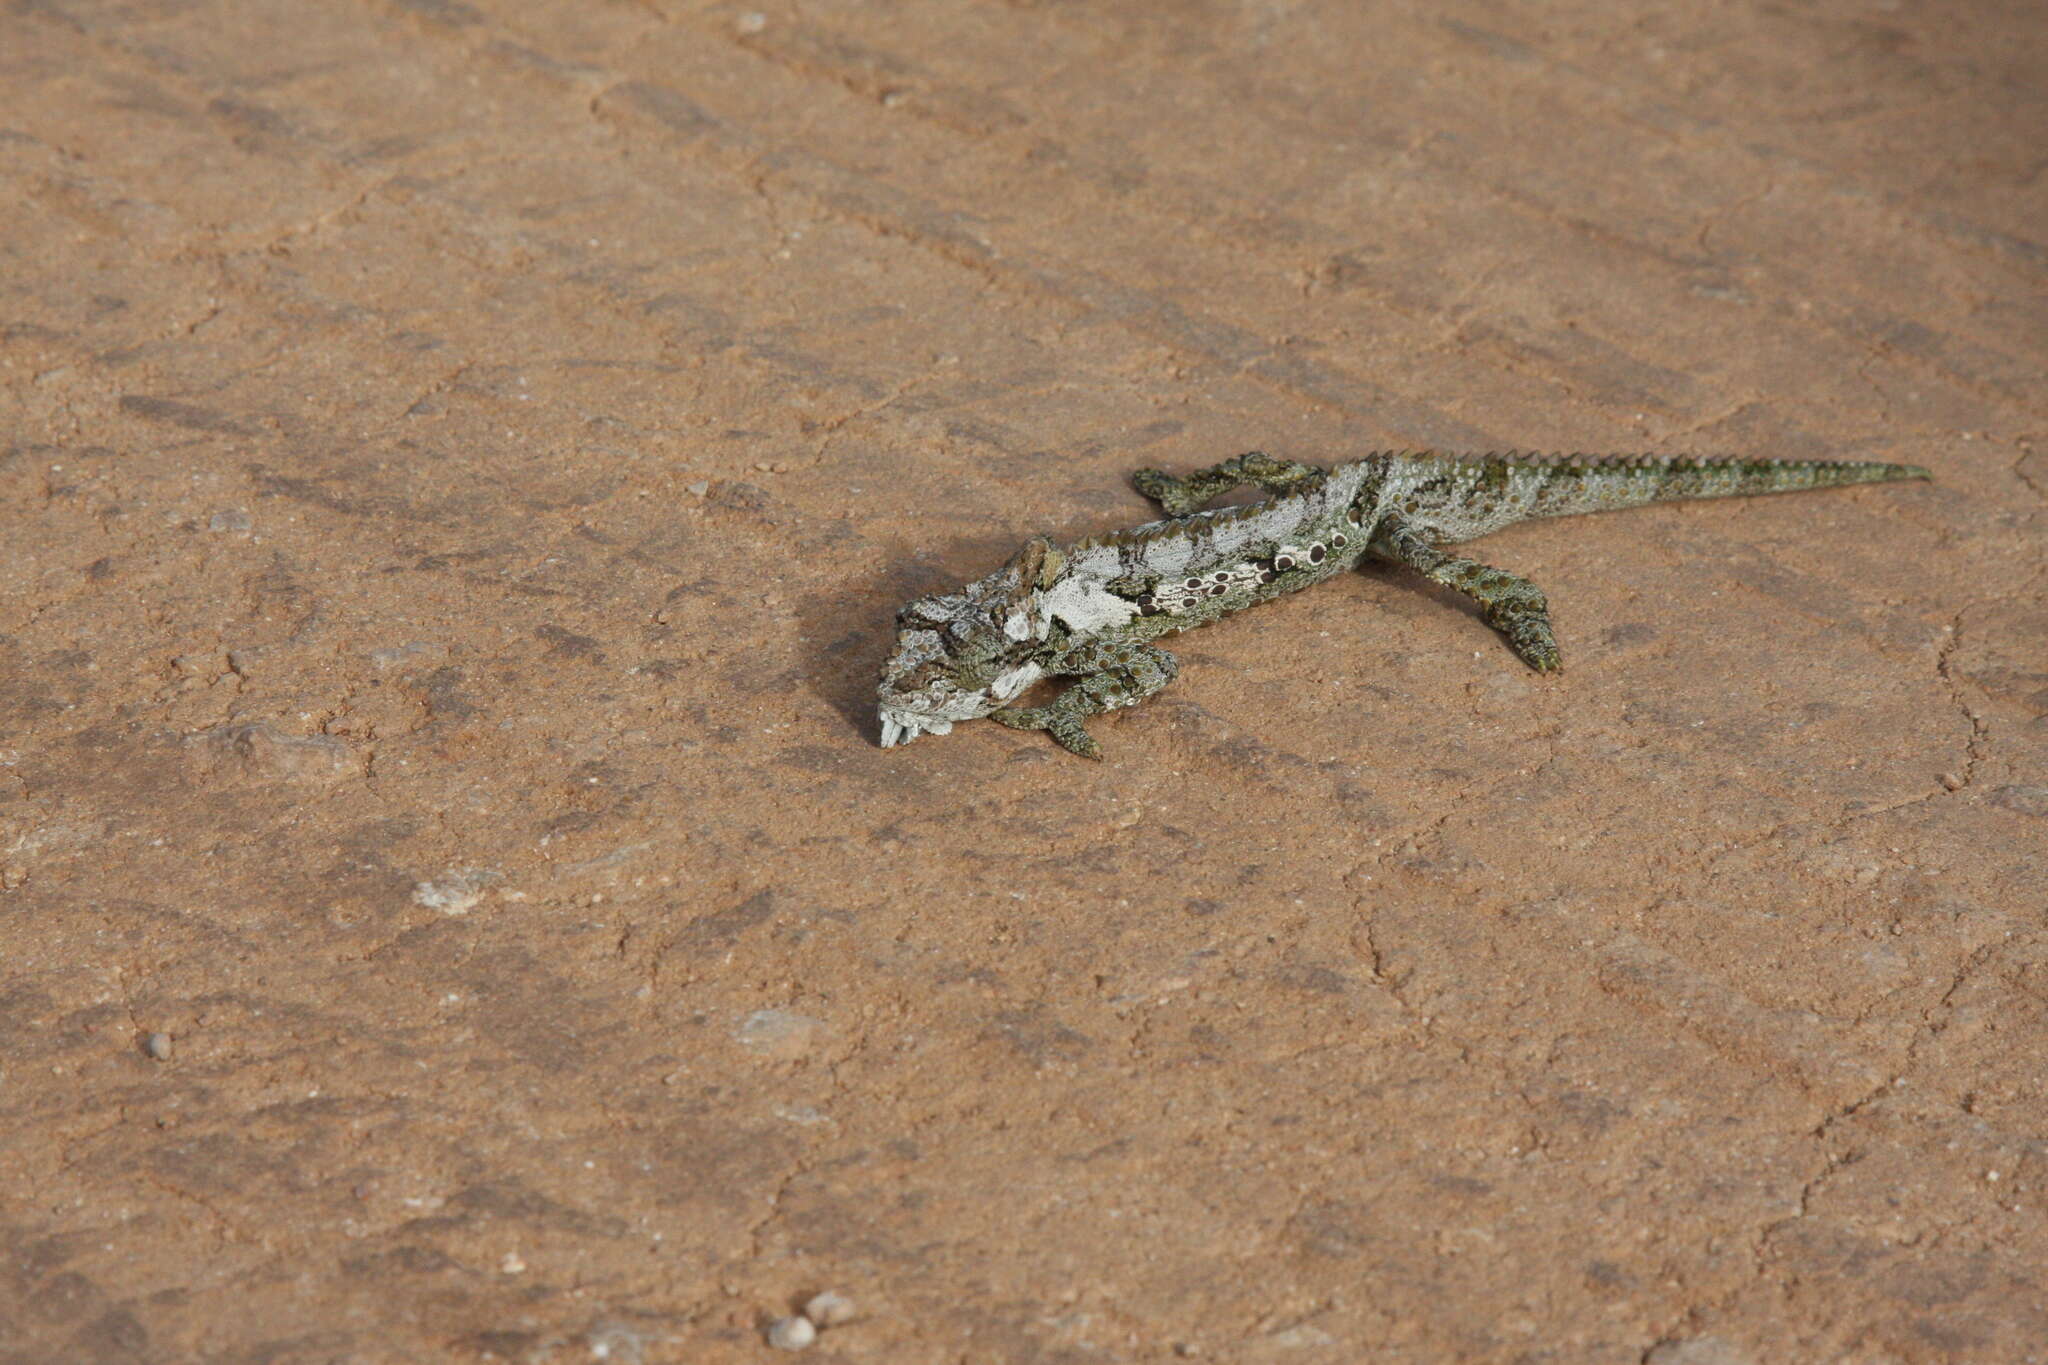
{"x":460,"y":461}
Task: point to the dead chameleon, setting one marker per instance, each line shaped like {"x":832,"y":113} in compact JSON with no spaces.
{"x":1091,"y":611}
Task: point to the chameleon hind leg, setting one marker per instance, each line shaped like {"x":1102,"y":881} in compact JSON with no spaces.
{"x":1511,"y":604}
{"x":1183,"y":495}
{"x":1112,"y":675}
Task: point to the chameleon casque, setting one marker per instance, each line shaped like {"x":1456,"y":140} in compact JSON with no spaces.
{"x":1092,"y":610}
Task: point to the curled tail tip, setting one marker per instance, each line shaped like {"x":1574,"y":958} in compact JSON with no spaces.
{"x":1828,"y":472}
{"x":1891,"y":473}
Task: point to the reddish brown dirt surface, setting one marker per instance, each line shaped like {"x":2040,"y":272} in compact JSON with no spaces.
{"x":460,"y":461}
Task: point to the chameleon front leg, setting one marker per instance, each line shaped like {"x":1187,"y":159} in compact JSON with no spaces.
{"x":1511,"y":605}
{"x":1112,"y":675}
{"x":1178,"y":497}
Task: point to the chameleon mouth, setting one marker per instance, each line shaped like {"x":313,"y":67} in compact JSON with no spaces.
{"x":899,"y":727}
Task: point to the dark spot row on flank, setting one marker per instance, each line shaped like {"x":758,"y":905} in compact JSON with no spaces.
{"x":1220,"y":582}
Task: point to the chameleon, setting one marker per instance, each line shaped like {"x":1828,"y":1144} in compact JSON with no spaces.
{"x":1091,"y":611}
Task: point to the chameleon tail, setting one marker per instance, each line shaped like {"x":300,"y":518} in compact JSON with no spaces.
{"x":1560,"y":485}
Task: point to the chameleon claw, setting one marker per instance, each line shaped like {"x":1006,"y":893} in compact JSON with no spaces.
{"x":1071,"y":736}
{"x":1539,"y":654}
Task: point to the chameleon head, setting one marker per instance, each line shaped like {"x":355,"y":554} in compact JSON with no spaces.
{"x":961,"y":655}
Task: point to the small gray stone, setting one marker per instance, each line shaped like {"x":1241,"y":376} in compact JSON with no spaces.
{"x":1697,"y":1351}
{"x":261,"y":751}
{"x":791,"y":1334}
{"x":415,"y":652}
{"x":779,"y":1033}
{"x":829,"y":1309}
{"x":158,"y":1046}
{"x":456,"y":891}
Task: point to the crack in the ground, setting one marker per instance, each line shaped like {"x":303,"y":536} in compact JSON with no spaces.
{"x":1832,"y":1161}
{"x":2019,"y":469}
{"x":1944,"y":667}
{"x":1714,"y":219}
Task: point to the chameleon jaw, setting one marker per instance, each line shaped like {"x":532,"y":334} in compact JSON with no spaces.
{"x":899,"y":727}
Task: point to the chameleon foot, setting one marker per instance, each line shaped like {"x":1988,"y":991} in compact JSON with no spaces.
{"x":1529,"y":635}
{"x":1178,"y":497}
{"x":1066,"y":730}
{"x":1173,"y":496}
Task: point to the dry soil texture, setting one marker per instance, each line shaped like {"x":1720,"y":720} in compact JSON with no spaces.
{"x":460,"y":461}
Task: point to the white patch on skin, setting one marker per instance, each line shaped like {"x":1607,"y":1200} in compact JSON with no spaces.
{"x":1095,"y":563}
{"x":1008,"y":685}
{"x":1169,"y":556}
{"x":1087,"y":608}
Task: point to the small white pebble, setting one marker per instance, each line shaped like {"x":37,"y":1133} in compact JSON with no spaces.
{"x":829,"y":1309}
{"x":791,"y":1334}
{"x":753,"y":21}
{"x":699,"y":488}
{"x":512,"y":1264}
{"x":158,"y":1045}
{"x":1991,"y":1175}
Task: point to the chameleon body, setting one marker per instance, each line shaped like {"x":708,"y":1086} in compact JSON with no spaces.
{"x":1092,"y":610}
